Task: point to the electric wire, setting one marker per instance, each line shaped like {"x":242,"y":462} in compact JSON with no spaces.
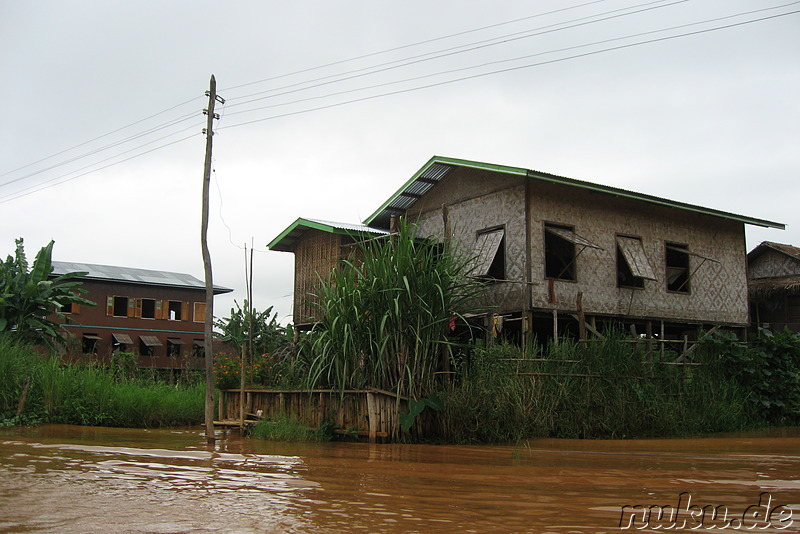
{"x":99,"y":137}
{"x":39,"y":187}
{"x":154,"y":129}
{"x":36,"y":188}
{"x":510,"y":69}
{"x":411,"y":45}
{"x":439,"y":54}
{"x":496,"y":62}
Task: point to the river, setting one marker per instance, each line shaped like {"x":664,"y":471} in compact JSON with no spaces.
{"x":64,"y":479}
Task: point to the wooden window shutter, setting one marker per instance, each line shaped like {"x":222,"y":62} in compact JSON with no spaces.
{"x":110,"y":306}
{"x":199,"y":312}
{"x":160,"y":310}
{"x":76,"y":308}
{"x":184,"y":311}
{"x":134,"y":305}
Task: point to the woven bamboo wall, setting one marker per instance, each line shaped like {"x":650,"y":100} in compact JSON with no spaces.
{"x":773,"y":263}
{"x":475,"y":201}
{"x":315,"y":256}
{"x":718,"y":290}
{"x":478,"y":199}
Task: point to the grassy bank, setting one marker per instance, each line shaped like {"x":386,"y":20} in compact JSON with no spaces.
{"x":88,"y":395}
{"x":600,"y":389}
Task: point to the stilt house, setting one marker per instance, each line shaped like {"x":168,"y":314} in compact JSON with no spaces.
{"x":774,"y":272}
{"x":565,"y":255}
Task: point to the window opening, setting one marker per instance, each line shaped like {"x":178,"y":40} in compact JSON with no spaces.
{"x":147,"y":345}
{"x":174,"y":347}
{"x":632,"y":265}
{"x":120,"y":342}
{"x":491,"y":259}
{"x":89,"y":343}
{"x":120,"y":306}
{"x":559,"y":253}
{"x":677,"y":260}
{"x":175,"y":307}
{"x":148,"y":309}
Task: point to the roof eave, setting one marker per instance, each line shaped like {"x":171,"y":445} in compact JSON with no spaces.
{"x":280,"y":243}
{"x":517,"y":171}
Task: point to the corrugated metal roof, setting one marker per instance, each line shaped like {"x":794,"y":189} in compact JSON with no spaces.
{"x":438,"y":167}
{"x":286,"y":240}
{"x":133,"y":275}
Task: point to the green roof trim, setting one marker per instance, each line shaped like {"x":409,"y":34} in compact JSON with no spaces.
{"x":444,"y":161}
{"x":381,"y":213}
{"x":288,"y":237}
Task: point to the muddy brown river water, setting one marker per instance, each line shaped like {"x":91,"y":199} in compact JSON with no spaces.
{"x":57,"y":478}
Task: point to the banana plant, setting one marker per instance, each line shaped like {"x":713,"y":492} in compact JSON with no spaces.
{"x":31,"y":299}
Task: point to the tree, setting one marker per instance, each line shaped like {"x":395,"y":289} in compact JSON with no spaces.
{"x":30,"y":300}
{"x":268,"y":334}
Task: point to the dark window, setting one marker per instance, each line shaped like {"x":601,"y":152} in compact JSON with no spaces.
{"x":120,"y":306}
{"x":66,"y":308}
{"x":677,"y":258}
{"x":198,"y":348}
{"x":174,"y":347}
{"x":148,"y":309}
{"x":559,"y":254}
{"x":89,"y":343}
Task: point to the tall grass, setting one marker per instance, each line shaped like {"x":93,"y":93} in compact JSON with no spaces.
{"x":89,"y":394}
{"x":287,"y":429}
{"x":383,"y":320}
{"x":602,"y":389}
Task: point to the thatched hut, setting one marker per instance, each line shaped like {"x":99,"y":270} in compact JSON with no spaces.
{"x":774,"y":282}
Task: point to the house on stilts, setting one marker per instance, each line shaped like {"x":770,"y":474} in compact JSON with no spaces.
{"x":563,"y":256}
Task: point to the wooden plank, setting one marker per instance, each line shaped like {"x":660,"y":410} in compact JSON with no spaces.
{"x":372,"y":417}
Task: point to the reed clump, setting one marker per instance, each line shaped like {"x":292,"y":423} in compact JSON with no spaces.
{"x":611,"y":388}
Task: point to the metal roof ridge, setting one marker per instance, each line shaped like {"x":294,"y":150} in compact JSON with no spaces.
{"x":554,"y":178}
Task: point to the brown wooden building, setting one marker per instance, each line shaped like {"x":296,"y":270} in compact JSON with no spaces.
{"x":774,"y":272}
{"x":559,"y":249}
{"x":155,"y":314}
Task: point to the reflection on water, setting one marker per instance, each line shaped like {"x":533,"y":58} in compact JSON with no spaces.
{"x":58,"y":478}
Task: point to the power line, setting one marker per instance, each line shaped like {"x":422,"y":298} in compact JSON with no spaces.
{"x":510,"y":69}
{"x":98,"y":137}
{"x":461,"y":49}
{"x":402,"y":47}
{"x":104,"y":148}
{"x":370,"y":97}
{"x":30,"y":190}
{"x":518,"y":58}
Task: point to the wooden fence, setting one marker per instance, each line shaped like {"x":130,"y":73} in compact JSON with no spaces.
{"x":364,"y":413}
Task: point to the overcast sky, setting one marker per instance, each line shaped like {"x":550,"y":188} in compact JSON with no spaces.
{"x":710,"y":118}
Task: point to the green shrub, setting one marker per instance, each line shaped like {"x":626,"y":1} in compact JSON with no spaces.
{"x":288,"y":429}
{"x":768,"y":368}
{"x":599,"y":389}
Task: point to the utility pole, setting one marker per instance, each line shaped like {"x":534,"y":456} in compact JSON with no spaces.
{"x":209,"y":316}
